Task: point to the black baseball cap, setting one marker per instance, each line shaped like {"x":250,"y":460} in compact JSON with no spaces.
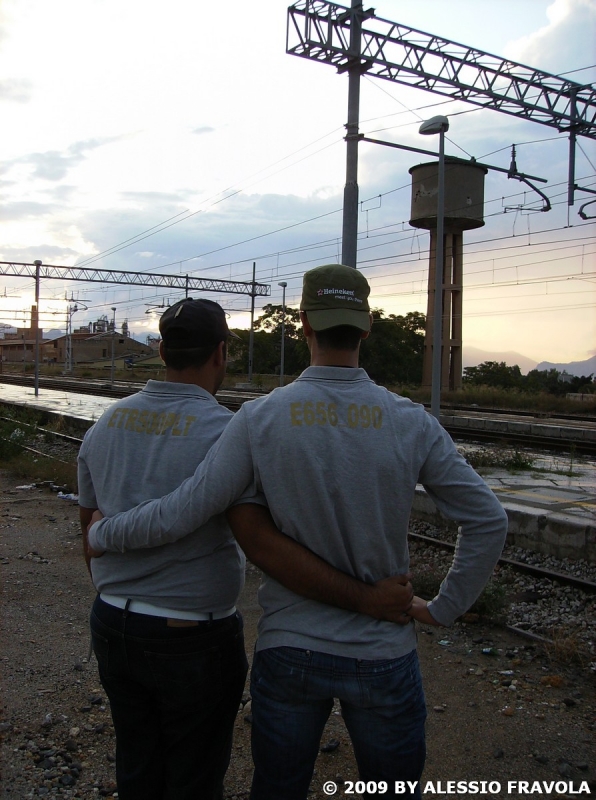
{"x":194,"y":323}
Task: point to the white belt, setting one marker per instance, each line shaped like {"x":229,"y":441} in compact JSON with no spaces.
{"x":140,"y":607}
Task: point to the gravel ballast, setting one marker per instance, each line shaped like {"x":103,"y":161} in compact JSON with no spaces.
{"x":500,"y":707}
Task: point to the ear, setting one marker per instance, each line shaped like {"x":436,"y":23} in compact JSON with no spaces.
{"x":219,"y":354}
{"x":161,"y":351}
{"x":308,"y":331}
{"x":366,"y":334}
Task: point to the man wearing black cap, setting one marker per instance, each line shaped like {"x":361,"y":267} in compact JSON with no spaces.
{"x":165,"y":630}
{"x":167,"y":637}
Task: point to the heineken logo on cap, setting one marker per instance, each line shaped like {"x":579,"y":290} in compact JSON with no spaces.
{"x":342,"y":294}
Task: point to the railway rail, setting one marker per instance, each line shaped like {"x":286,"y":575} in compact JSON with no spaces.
{"x":233,"y":399}
{"x":518,"y":566}
{"x":538,"y":572}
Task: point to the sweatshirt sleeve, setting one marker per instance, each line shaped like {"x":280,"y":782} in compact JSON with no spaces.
{"x":86,"y":489}
{"x":461,"y":495}
{"x":223,"y":476}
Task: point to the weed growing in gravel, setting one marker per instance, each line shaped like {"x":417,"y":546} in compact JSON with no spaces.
{"x":491,"y":603}
{"x":565,"y":647}
{"x":38,"y":469}
{"x":493,"y":600}
{"x":18,"y":429}
{"x":15,"y":430}
{"x":499,"y":457}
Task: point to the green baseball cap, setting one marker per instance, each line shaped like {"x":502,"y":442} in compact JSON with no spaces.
{"x":335,"y":295}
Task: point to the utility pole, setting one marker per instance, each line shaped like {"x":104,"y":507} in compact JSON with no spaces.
{"x":349,"y":246}
{"x":251,"y":338}
{"x":113,"y":335}
{"x":283,"y":285}
{"x":36,"y":380}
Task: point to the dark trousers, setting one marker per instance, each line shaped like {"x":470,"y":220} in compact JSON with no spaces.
{"x":174,"y":695}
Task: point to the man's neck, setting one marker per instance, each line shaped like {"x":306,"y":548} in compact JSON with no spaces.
{"x":192,"y":377}
{"x":334,"y":358}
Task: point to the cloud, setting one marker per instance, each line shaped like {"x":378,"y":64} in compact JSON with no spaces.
{"x":161,"y":199}
{"x":49,"y":254}
{"x":203,"y":129}
{"x":54,"y":165}
{"x":556,"y":47}
{"x":15,"y":91}
{"x":27,"y":209}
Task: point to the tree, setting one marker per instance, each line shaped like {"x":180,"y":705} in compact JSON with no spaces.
{"x":271,"y":319}
{"x":392,"y":354}
{"x":494,"y":373}
{"x":267,"y":343}
{"x":394,"y":351}
{"x":545,"y":381}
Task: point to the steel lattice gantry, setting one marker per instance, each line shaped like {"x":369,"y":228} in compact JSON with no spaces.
{"x":321,"y":31}
{"x":87,"y":274}
{"x":37,"y":271}
{"x":356,"y":42}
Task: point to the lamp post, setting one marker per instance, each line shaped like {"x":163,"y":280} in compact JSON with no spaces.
{"x":431,"y":127}
{"x":283,"y":285}
{"x":37,"y":263}
{"x":113,"y":335}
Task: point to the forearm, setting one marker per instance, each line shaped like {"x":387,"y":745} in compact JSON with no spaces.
{"x":293,"y":565}
{"x":482,"y":534}
{"x":85,"y":515}
{"x":308,"y":575}
{"x":459,"y":493}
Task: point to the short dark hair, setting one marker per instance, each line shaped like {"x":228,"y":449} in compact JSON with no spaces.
{"x":189,"y":357}
{"x":342,"y":337}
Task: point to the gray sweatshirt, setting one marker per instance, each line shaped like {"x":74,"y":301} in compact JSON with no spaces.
{"x":337,"y":458}
{"x":141,"y":447}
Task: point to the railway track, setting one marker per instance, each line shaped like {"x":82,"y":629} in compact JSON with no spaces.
{"x":518,"y":566}
{"x":233,"y":399}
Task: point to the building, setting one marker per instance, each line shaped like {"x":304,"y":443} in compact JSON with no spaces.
{"x":19,"y":347}
{"x":87,"y":347}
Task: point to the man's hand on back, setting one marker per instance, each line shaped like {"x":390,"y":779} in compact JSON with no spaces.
{"x":389,"y":599}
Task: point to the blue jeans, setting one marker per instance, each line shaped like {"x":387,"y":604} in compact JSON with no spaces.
{"x":174,"y":695}
{"x":292,"y":696}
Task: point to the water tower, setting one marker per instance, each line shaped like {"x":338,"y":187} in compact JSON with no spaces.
{"x":464,"y":210}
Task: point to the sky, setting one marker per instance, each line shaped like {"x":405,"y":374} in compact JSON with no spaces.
{"x":180,"y":138}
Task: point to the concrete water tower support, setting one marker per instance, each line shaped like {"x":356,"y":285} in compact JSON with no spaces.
{"x":464,"y":210}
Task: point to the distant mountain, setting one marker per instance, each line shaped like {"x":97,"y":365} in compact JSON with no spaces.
{"x":575,"y":368}
{"x":472,"y":356}
{"x":54,"y":333}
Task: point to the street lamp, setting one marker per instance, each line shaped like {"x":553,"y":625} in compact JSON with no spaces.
{"x":37,"y":263}
{"x":431,"y":127}
{"x":113,"y":335}
{"x":283,"y":285}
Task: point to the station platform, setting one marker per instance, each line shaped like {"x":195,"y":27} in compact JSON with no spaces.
{"x":568,"y":431}
{"x":551,"y":507}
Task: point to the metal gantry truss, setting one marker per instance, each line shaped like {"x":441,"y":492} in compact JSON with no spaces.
{"x":185,"y":283}
{"x":39,"y":271}
{"x":321,"y":31}
{"x":356,"y":42}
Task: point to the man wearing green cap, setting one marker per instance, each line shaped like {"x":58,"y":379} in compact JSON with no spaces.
{"x":338,"y":459}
